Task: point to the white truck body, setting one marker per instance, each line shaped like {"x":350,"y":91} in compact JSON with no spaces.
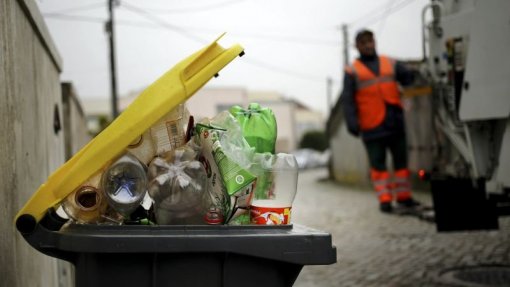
{"x":466,"y":44}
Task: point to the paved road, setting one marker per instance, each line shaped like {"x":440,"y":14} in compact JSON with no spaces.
{"x":376,"y":249}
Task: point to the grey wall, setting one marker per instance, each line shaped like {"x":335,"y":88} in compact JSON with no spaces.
{"x":349,"y":160}
{"x":75,"y":123}
{"x":30,"y":148}
{"x":420,"y":137}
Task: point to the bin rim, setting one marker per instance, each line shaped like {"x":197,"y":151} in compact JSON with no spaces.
{"x":297,"y":244}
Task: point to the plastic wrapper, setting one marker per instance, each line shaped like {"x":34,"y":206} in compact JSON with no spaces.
{"x":178,"y":188}
{"x":227,"y":155}
{"x":258,"y":126}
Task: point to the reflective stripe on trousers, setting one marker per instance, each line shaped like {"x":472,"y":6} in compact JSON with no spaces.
{"x":402,"y":185}
{"x":381,"y":183}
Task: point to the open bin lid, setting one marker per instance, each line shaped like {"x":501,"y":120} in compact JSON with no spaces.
{"x":171,"y":89}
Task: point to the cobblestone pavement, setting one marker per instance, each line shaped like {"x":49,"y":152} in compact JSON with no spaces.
{"x":375,"y":249}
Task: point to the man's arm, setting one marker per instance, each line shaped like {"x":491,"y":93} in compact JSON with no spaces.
{"x":403,"y":75}
{"x":349,"y":104}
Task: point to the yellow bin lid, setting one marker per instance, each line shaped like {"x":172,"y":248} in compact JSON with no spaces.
{"x":171,"y":89}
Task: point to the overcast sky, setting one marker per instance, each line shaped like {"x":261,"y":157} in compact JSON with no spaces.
{"x":291,"y":46}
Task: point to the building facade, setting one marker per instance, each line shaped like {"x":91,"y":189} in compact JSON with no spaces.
{"x":293,"y":119}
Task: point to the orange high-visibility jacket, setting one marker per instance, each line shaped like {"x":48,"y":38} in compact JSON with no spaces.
{"x":373,"y":91}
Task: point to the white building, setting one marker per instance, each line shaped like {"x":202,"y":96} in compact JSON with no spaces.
{"x":293,"y":119}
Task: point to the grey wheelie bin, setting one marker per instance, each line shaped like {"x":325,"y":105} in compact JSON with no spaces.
{"x":156,"y":256}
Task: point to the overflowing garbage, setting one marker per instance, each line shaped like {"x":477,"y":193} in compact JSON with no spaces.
{"x":221,"y":170}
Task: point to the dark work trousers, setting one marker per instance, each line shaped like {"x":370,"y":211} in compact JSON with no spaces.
{"x":376,"y":150}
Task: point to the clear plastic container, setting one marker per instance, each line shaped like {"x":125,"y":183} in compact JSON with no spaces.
{"x":87,"y":204}
{"x":272,"y":206}
{"x":125,"y":184}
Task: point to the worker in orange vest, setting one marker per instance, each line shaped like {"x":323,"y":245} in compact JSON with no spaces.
{"x":373,"y":110}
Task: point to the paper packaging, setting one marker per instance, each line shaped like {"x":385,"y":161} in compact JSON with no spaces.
{"x":170,"y":132}
{"x":143,"y":148}
{"x":167,"y":134}
{"x":219,"y":196}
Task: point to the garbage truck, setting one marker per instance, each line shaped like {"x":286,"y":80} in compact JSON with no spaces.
{"x":465,"y":46}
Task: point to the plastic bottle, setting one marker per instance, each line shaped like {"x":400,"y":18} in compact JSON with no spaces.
{"x":87,"y":204}
{"x":258,"y":126}
{"x":273,"y":206}
{"x":125,"y":184}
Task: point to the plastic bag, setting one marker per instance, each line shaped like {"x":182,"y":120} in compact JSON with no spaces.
{"x":178,"y":187}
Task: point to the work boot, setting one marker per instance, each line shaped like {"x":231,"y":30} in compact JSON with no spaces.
{"x":409,"y":203}
{"x":386,"y":207}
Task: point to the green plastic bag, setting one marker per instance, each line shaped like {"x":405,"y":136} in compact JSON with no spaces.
{"x":258,"y":125}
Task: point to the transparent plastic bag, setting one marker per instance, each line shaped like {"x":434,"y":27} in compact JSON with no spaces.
{"x":233,"y":144}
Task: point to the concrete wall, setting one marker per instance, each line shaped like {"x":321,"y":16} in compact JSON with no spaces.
{"x":349,"y":162}
{"x":74,"y":124}
{"x":32,"y":142}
